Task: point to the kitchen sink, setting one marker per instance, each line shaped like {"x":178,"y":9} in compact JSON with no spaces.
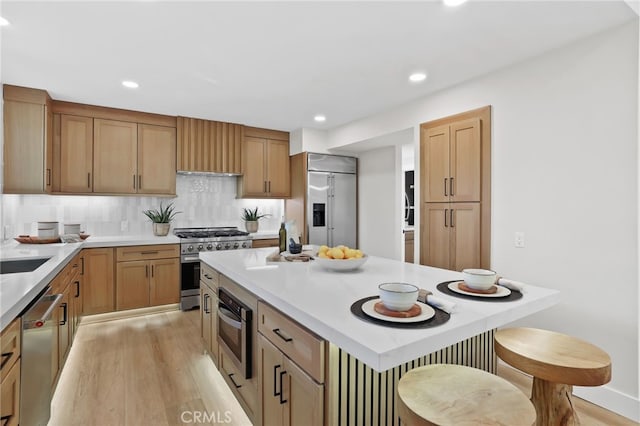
{"x":21,"y":265}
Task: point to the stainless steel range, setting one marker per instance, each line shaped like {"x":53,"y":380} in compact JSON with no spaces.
{"x":195,"y":240}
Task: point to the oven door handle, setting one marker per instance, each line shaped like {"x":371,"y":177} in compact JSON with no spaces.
{"x":229,"y":317}
{"x":190,"y":258}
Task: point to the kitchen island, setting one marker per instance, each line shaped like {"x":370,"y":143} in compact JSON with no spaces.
{"x":364,"y":361}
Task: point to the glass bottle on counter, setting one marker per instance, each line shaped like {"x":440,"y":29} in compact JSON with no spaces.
{"x":282,"y":237}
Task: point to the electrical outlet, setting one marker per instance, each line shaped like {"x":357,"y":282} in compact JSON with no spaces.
{"x":519,"y":240}
{"x":124,"y":225}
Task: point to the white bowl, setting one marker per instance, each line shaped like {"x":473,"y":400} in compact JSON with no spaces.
{"x":479,"y":279}
{"x":398,"y":296}
{"x":341,"y":264}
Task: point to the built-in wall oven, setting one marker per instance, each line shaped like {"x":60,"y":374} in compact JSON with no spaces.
{"x":234,"y":330}
{"x":196,"y":240}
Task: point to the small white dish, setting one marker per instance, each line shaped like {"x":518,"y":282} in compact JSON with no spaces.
{"x":479,"y":279}
{"x":368,"y":309}
{"x":398,"y":296}
{"x":502,"y":291}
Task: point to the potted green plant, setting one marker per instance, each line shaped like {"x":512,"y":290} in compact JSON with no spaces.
{"x":251,"y":218}
{"x":161,"y":218}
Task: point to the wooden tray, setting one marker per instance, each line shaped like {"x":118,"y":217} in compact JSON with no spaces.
{"x":26,"y":239}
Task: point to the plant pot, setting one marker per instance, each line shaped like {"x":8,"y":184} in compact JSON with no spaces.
{"x":161,"y":229}
{"x":251,"y":225}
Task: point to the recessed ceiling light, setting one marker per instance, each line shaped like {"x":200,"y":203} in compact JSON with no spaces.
{"x":417,"y":77}
{"x":453,"y":3}
{"x":3,"y":22}
{"x":130,"y":84}
{"x":320,"y":118}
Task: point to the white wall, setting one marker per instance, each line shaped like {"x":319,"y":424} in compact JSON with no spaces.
{"x":564,"y":172}
{"x":378,"y":201}
{"x":203,"y":201}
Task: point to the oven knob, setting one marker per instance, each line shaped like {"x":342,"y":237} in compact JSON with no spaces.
{"x":236,"y":245}
{"x":244,"y":245}
{"x":218,"y":246}
{"x":209,"y":246}
{"x":190,"y":248}
{"x":200,"y":247}
{"x":227,"y":246}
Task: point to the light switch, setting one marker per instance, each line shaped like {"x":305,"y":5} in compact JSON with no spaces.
{"x":519,"y":240}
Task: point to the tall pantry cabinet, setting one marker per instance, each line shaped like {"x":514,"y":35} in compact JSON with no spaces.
{"x":455,"y":164}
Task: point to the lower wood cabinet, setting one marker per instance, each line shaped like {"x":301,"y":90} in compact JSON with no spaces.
{"x":147,"y":276}
{"x":289,"y":396}
{"x":99,"y":290}
{"x":10,"y":373}
{"x":208,"y":310}
{"x":451,"y":235}
{"x":408,"y":246}
{"x":270,"y":242}
{"x":245,"y":390}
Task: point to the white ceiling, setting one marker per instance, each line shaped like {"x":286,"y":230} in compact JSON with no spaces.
{"x":277,"y":64}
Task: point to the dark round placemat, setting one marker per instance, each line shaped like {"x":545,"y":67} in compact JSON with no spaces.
{"x":444,"y":288}
{"x":439,"y":318}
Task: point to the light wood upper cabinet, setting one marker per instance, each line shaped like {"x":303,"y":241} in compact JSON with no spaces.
{"x":76,"y":154}
{"x":156,"y":159}
{"x":115,"y":155}
{"x":451,"y":159}
{"x":265,"y":164}
{"x":209,"y":146}
{"x":28,"y":146}
{"x":109,"y":151}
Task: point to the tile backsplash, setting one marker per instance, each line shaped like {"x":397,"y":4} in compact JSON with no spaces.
{"x":203,"y":201}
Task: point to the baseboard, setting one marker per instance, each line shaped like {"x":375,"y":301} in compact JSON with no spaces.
{"x":110,"y":316}
{"x":611,"y":399}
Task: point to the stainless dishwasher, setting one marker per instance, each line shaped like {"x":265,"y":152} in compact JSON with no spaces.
{"x":37,"y":343}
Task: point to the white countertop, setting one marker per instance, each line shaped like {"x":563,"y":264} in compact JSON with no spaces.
{"x":18,"y":290}
{"x":320,"y":300}
{"x":264,"y":235}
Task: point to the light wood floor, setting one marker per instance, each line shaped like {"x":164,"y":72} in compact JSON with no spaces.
{"x":151,"y":370}
{"x":147,"y":370}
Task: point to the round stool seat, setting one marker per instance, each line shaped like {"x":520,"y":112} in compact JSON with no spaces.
{"x":556,"y":362}
{"x":445,"y":394}
{"x":554,"y":357}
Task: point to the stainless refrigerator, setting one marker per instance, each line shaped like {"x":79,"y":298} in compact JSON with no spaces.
{"x":331,"y":200}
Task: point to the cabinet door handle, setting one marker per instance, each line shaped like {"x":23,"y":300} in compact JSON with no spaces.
{"x":7,"y":356}
{"x":207,"y":276}
{"x":275,"y":374}
{"x":445,"y":217}
{"x":451,"y":185}
{"x":88,"y":180}
{"x":282,"y":400}
{"x":48,"y":177}
{"x":280,"y":335}
{"x":77,"y":289}
{"x":152,"y":271}
{"x":82,"y":268}
{"x":139,"y":181}
{"x":445,"y":187}
{"x":205,"y":298}
{"x":6,"y":419}
{"x":233,"y":381}
{"x":134,"y":181}
{"x":146,"y":271}
{"x":268,"y":186}
{"x":451,"y":218}
{"x":264,"y":185}
{"x":149,"y":252}
{"x":64,"y":315}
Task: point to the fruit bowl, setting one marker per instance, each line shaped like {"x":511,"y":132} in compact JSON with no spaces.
{"x":341,"y":264}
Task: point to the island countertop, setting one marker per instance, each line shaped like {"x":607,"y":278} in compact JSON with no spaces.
{"x":321,"y":300}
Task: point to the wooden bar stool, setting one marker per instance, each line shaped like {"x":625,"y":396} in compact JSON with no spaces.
{"x":447,"y":394}
{"x":557,"y":362}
